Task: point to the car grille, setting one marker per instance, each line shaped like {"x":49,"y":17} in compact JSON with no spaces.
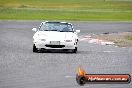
{"x":55,"y":46}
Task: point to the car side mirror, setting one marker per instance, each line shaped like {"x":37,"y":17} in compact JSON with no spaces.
{"x":77,"y":31}
{"x":34,"y":29}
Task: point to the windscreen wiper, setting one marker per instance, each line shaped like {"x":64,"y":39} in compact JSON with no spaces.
{"x":54,"y":30}
{"x":46,"y":30}
{"x":50,"y":30}
{"x":66,"y":31}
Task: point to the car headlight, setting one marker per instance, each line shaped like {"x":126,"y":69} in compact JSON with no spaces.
{"x":68,"y":40}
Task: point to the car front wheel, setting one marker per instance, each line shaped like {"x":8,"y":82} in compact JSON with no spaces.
{"x":74,"y":50}
{"x":34,"y":48}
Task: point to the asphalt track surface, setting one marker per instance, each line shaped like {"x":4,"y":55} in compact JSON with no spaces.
{"x":21,"y":68}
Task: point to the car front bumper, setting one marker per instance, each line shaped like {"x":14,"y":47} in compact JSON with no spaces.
{"x":62,"y":45}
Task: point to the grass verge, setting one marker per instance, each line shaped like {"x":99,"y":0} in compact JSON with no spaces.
{"x":63,"y":14}
{"x":129,"y":37}
{"x":66,"y":9}
{"x":120,"y":39}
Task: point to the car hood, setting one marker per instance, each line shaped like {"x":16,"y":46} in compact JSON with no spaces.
{"x":54,"y":35}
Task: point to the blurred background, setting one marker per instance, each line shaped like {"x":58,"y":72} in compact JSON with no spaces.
{"x":66,"y":9}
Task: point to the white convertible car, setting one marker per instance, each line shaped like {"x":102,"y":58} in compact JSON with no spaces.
{"x":55,"y":35}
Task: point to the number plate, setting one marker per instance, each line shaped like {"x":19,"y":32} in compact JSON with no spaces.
{"x":54,"y":42}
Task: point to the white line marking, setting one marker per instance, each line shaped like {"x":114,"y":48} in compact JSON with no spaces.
{"x":69,"y":76}
{"x":108,"y":51}
{"x":79,"y":10}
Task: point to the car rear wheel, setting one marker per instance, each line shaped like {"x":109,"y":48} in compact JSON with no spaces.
{"x":34,"y":48}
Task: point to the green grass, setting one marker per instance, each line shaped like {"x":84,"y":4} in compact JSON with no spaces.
{"x":86,"y":4}
{"x":66,"y":9}
{"x":129,"y":37}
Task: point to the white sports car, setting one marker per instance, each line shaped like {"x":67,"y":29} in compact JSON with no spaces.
{"x":55,"y":35}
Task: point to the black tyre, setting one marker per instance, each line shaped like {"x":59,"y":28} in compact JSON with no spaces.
{"x":81,"y":80}
{"x":74,"y":50}
{"x":34,"y":48}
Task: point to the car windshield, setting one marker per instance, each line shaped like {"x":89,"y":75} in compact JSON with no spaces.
{"x":56,"y":26}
